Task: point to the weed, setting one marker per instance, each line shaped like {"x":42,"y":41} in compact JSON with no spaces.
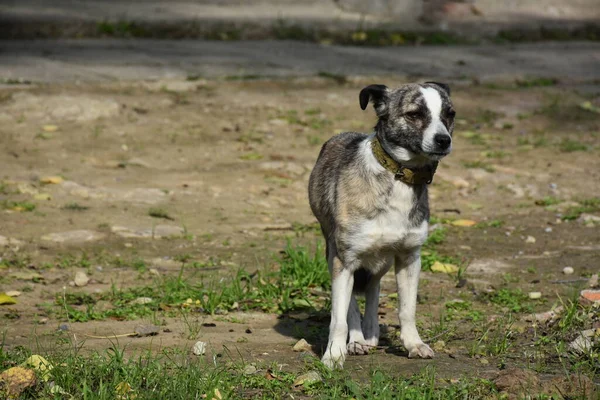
{"x":18,"y":205}
{"x":251,"y":156}
{"x":536,"y":82}
{"x":513,"y":299}
{"x":586,"y":206}
{"x":75,"y":207}
{"x":478,"y":164}
{"x":568,"y":146}
{"x":548,"y":201}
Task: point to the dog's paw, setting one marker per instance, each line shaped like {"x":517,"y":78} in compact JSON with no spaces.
{"x":420,"y":350}
{"x":334,"y":356}
{"x":333,"y":362}
{"x":358,"y":349}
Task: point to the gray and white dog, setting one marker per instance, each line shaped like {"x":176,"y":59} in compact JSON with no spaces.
{"x":369,"y":193}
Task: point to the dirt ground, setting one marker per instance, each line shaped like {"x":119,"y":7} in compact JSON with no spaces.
{"x":223,"y":166}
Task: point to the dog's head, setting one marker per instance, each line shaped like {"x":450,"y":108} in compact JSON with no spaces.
{"x":416,"y":121}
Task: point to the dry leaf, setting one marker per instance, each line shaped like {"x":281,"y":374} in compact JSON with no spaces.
{"x":52,"y":180}
{"x":6,"y":299}
{"x":124,"y":391}
{"x":443,"y":267}
{"x":50,"y":128}
{"x":463,"y":222}
{"x":39,"y":364}
{"x":15,"y":380}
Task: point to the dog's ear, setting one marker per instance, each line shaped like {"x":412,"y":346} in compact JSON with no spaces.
{"x":443,"y":86}
{"x":375,"y":93}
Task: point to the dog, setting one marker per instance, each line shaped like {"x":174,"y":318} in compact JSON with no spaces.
{"x":369,"y":194}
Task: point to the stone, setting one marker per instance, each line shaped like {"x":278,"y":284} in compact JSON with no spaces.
{"x":530,"y":239}
{"x":307,"y":378}
{"x":593,"y":282}
{"x":568,"y":270}
{"x":199,"y":348}
{"x":81,"y":279}
{"x":302,"y":345}
{"x":158,"y":232}
{"x":535,"y":295}
{"x":13,"y":293}
{"x":77,"y":236}
{"x":583,"y":343}
{"x":249,"y":369}
{"x":142,"y":300}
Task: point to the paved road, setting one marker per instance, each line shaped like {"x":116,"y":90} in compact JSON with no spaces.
{"x":113,"y":59}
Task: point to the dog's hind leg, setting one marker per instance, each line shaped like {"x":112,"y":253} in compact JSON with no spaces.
{"x":342,"y":281}
{"x":370,"y":324}
{"x":356,"y":343}
{"x":408,"y":267}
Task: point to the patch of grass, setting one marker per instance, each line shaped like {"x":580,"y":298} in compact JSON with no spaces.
{"x":430,"y":254}
{"x":512,"y":299}
{"x":171,"y":374}
{"x":569,"y":145}
{"x":75,"y":207}
{"x":495,"y":223}
{"x":18,"y":205}
{"x":479,"y":164}
{"x":299,"y":281}
{"x":337,"y":78}
{"x":495,"y":154}
{"x":248,"y":77}
{"x":536,"y":82}
{"x":251,"y":156}
{"x":586,"y":206}
{"x":159,"y":213}
{"x":548,"y":201}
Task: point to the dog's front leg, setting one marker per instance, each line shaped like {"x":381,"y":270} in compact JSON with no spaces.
{"x":408,"y":267}
{"x":342,"y":280}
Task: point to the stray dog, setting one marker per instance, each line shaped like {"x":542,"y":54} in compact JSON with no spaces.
{"x":369,"y":193}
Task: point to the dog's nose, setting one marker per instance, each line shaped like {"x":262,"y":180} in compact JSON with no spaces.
{"x":443,"y":141}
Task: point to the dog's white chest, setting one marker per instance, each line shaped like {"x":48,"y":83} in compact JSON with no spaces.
{"x":390,"y":229}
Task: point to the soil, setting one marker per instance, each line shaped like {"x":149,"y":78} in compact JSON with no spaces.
{"x":228,"y":162}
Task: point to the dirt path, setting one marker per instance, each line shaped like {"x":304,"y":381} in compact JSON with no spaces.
{"x":214,"y":173}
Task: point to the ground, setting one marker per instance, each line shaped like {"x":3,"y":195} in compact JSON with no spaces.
{"x":184,"y":205}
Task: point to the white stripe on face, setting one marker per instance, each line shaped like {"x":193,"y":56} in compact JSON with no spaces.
{"x":433,"y":101}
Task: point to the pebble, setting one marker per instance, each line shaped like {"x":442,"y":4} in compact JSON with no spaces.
{"x":593,"y":282}
{"x":548,"y":230}
{"x":142,"y":300}
{"x":568,"y":270}
{"x":63,"y":327}
{"x":302,"y":345}
{"x":199,"y":348}
{"x":530,"y":239}
{"x":535,"y":295}
{"x":249,"y":369}
{"x":81,"y":279}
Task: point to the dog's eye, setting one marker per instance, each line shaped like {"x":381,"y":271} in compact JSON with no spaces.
{"x":416,"y":114}
{"x":450,"y":113}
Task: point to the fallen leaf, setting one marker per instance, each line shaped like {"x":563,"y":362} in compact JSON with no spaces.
{"x":50,"y":128}
{"x":124,"y":391}
{"x":463,"y":222}
{"x":13,"y":293}
{"x":51,"y":180}
{"x":39,"y":364}
{"x":588,"y":106}
{"x":42,"y":196}
{"x":15,"y":380}
{"x":444,"y":267}
{"x":6,"y":299}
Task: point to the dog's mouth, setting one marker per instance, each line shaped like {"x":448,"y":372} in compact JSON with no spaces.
{"x":437,"y":155}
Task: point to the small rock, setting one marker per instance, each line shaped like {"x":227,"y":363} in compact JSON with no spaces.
{"x":568,"y":270}
{"x":530,"y":239}
{"x":535,"y":295}
{"x":548,"y":230}
{"x":146,"y":330}
{"x":78,"y":236}
{"x":142,"y":300}
{"x":249,"y":369}
{"x":199,"y":348}
{"x":43,"y":321}
{"x":63,"y":327}
{"x":593,"y":282}
{"x":81,"y":279}
{"x":309,"y":377}
{"x":13,"y":293}
{"x":546,"y":316}
{"x":302,"y":345}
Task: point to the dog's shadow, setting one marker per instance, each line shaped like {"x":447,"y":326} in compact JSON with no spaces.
{"x":313,"y":326}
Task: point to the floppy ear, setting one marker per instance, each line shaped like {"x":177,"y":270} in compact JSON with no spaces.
{"x":443,"y":86}
{"x":375,"y":93}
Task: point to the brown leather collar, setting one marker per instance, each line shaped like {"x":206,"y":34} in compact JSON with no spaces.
{"x":410,"y":176}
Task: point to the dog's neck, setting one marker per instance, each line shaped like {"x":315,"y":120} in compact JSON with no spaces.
{"x":410,"y":175}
